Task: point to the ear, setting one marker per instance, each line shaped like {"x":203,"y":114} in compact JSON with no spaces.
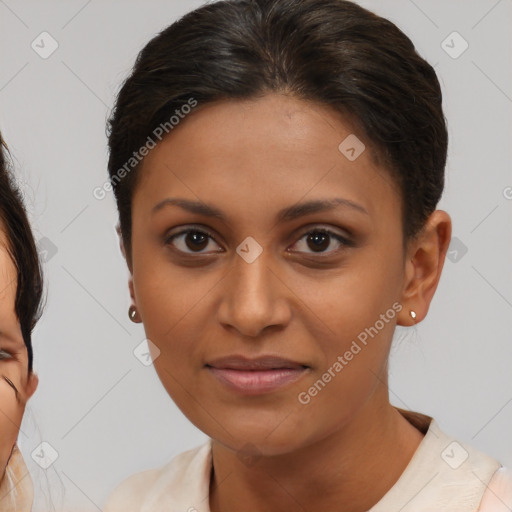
{"x":32,"y":383}
{"x":121,"y":243}
{"x":130,"y":279}
{"x":423,"y":265}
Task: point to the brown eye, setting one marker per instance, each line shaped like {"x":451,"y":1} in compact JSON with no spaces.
{"x":191,"y":241}
{"x":319,"y":240}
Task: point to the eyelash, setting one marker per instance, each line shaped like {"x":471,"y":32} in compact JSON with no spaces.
{"x":344,"y":241}
{"x":4,"y":354}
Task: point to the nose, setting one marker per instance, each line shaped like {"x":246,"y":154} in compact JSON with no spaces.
{"x":254,"y":297}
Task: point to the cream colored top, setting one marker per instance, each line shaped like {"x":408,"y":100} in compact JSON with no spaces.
{"x":16,"y":488}
{"x":444,"y":475}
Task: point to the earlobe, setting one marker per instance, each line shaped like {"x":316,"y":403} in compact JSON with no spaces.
{"x":132,"y":289}
{"x":132,"y":312}
{"x":424,"y":265}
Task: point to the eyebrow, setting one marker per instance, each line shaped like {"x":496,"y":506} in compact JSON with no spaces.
{"x":285,"y":215}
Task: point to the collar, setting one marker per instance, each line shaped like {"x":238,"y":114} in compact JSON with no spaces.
{"x":443,"y":475}
{"x":16,"y":488}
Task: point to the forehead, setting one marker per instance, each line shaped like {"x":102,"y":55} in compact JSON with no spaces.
{"x":279,"y":145}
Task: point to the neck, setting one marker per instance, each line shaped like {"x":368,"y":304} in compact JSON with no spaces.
{"x":349,"y":470}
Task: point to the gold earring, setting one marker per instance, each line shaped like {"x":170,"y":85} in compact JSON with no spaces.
{"x":132,"y":312}
{"x":413,"y":314}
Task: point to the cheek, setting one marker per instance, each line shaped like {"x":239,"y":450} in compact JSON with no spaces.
{"x":169,"y":301}
{"x":11,"y":414}
{"x":164,"y":291}
{"x":353,"y":303}
{"x":355,"y":363}
{"x":351,"y":330}
{"x":175,"y":311}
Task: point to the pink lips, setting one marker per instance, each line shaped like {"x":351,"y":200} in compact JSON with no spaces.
{"x":255,"y":376}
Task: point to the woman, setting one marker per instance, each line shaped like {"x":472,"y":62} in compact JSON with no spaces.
{"x":277,"y":166}
{"x":20,"y":299}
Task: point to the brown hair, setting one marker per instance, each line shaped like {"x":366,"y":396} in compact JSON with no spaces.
{"x":333,"y":52}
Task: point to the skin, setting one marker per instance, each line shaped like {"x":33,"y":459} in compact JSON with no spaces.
{"x":16,"y":384}
{"x":347,"y":447}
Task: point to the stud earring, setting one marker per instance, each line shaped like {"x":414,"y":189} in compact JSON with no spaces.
{"x":413,"y":314}
{"x":132,"y":312}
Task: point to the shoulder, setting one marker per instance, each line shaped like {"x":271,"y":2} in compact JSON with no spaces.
{"x":186,"y":474}
{"x":498,"y":495}
{"x":131,"y":493}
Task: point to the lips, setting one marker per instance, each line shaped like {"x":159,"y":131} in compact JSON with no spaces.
{"x":255,"y":376}
{"x":259,"y":363}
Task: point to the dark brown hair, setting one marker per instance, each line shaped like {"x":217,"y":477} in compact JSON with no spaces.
{"x":333,"y":52}
{"x":23,"y":251}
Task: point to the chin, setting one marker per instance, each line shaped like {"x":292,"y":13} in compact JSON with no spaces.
{"x":257,"y":437}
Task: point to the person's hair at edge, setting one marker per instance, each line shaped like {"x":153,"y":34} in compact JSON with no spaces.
{"x":23,"y":252}
{"x":338,"y":54}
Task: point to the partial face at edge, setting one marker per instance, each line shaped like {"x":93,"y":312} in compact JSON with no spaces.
{"x":307,"y":297}
{"x":16,"y":385}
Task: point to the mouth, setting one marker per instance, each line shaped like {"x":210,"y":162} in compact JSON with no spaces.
{"x":256,"y":376}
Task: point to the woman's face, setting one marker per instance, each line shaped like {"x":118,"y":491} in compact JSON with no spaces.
{"x":16,"y":385}
{"x":260,"y":282}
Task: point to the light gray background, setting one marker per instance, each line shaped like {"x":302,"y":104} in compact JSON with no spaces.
{"x":106,"y":415}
